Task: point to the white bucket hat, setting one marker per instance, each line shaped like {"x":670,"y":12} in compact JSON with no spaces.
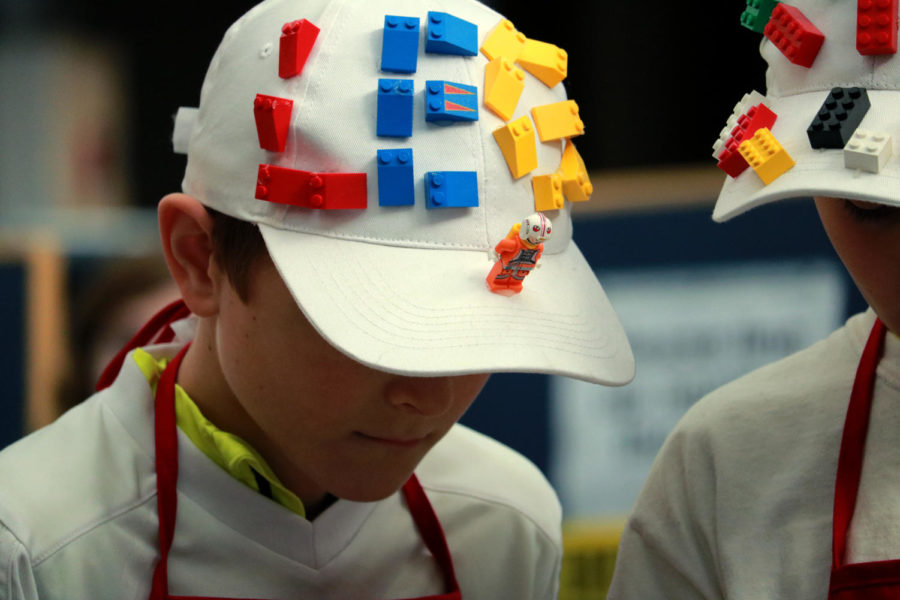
{"x":796,"y":93}
{"x":398,"y":288}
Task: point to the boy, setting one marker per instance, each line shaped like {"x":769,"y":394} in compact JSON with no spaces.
{"x":335,"y":340}
{"x":772,"y":487}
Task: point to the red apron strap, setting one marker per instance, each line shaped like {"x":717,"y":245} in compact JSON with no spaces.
{"x":853,"y":441}
{"x":166,"y":440}
{"x":159,"y":324}
{"x":430,"y":528}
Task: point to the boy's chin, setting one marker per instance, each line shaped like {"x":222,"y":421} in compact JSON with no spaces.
{"x":371,"y":487}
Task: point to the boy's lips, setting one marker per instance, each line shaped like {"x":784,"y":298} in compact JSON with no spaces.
{"x":402,"y":442}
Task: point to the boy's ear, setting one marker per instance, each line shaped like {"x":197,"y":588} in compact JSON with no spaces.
{"x":186,"y":231}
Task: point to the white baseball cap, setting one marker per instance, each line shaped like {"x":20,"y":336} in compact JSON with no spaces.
{"x":397,"y":288}
{"x":796,"y":94}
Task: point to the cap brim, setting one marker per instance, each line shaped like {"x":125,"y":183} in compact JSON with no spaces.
{"x":428,"y":312}
{"x":816,"y":172}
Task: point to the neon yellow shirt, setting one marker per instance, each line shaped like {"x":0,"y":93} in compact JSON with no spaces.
{"x":227,"y":450}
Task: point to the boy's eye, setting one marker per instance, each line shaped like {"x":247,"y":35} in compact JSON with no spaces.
{"x":862,"y":205}
{"x":867,"y":212}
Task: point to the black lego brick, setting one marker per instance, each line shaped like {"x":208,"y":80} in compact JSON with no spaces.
{"x":840,"y":115}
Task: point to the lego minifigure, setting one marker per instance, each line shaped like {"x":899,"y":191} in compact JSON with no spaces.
{"x":518,"y":254}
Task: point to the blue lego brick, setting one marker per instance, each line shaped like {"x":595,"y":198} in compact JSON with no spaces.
{"x":395,"y":177}
{"x":838,"y":118}
{"x":400,"y":44}
{"x":450,"y":35}
{"x":395,"y":108}
{"x":448,"y":101}
{"x":451,"y":189}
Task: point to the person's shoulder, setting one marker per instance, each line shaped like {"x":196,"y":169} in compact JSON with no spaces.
{"x":71,"y":476}
{"x":477,"y":469}
{"x":805,"y":389}
{"x":16,"y":577}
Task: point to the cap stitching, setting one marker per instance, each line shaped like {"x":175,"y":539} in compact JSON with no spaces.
{"x":557,"y":342}
{"x":280,"y":224}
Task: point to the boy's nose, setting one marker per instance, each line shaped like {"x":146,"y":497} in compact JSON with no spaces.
{"x":428,"y":396}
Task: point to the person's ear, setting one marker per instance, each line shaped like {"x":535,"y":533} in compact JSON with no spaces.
{"x":186,"y":231}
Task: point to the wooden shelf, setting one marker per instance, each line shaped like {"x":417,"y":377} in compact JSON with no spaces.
{"x":658,"y":188}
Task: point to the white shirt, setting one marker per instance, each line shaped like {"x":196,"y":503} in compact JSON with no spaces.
{"x":739,"y":501}
{"x":78,"y":520}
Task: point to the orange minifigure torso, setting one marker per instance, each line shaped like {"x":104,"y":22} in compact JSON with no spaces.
{"x":517,"y":256}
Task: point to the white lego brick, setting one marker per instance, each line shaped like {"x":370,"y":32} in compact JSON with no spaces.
{"x":725,"y":133}
{"x":867,"y":150}
{"x":718,"y":145}
{"x":748,"y":101}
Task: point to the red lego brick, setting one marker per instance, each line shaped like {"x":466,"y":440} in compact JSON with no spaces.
{"x":876,"y":27}
{"x":273,"y":119}
{"x":306,"y":189}
{"x":297,"y":40}
{"x":730,"y":160}
{"x":793,"y":34}
{"x":757,"y":117}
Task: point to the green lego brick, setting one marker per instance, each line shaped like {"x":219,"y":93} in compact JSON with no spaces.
{"x":757,"y":14}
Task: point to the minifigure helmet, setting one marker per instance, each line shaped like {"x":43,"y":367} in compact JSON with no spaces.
{"x":535,"y":228}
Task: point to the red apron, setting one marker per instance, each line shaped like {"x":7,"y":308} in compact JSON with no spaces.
{"x":873,"y":580}
{"x":167,"y":465}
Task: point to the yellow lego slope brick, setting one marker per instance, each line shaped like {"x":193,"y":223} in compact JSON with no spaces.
{"x":765,"y":155}
{"x":575,"y":180}
{"x":558,"y":120}
{"x":545,"y":61}
{"x":516,"y":141}
{"x":548,"y":193}
{"x":503,"y":85}
{"x":503,"y":40}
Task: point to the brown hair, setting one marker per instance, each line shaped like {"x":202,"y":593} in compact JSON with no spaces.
{"x":237,"y":245}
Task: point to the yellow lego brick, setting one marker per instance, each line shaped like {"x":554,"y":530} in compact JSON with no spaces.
{"x":548,"y":194}
{"x":765,"y":155}
{"x":558,"y":120}
{"x":545,"y":61}
{"x":503,"y":85}
{"x":503,"y":40}
{"x":516,"y":141}
{"x":576,"y":182}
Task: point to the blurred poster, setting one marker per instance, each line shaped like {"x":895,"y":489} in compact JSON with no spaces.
{"x":692,"y":329}
{"x":64,"y":114}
